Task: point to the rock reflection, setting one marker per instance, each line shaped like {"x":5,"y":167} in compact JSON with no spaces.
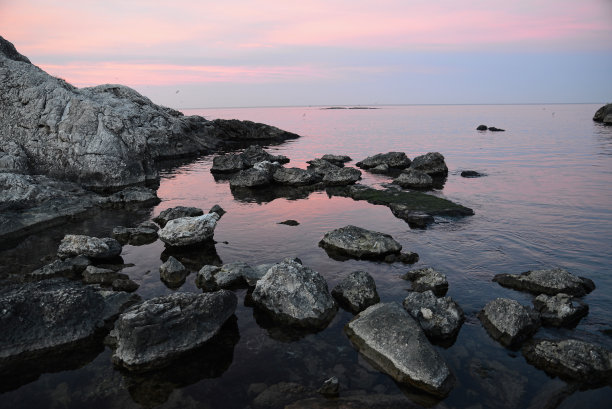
{"x":194,"y":257}
{"x":270,"y":193}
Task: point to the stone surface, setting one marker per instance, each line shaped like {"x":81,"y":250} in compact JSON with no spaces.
{"x":255,"y":154}
{"x":228,"y":163}
{"x":440,"y":318}
{"x":295,"y":295}
{"x":234,"y":162}
{"x":341,"y":176}
{"x":131,"y":197}
{"x":69,"y":268}
{"x":396,"y":160}
{"x":358,"y":242}
{"x":604,"y":114}
{"x":173,"y":272}
{"x":560,"y":310}
{"x":322,"y":167}
{"x":257,"y":176}
{"x":338,"y":160}
{"x":97,"y":275}
{"x":158,"y":330}
{"x":93,"y":247}
{"x":295,"y":177}
{"x":356,"y":292}
{"x":389,"y":337}
{"x":135,"y":236}
{"x":547,"y":281}
{"x":414,"y":179}
{"x":427,"y":278}
{"x":177,"y":212}
{"x":212,"y":278}
{"x":187,"y":231}
{"x":431,"y":163}
{"x":571,"y":359}
{"x":509,"y":322}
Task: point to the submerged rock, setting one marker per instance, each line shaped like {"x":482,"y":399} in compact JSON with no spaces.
{"x":471,"y":174}
{"x":97,"y":275}
{"x":173,"y":272}
{"x":135,"y":236}
{"x":177,"y":212}
{"x":396,"y":160}
{"x":440,"y":318}
{"x":295,"y":295}
{"x":560,"y":310}
{"x":358,"y":242}
{"x":431,"y":163}
{"x":509,"y":322}
{"x":414,"y":179}
{"x":158,"y":330}
{"x":571,"y":359}
{"x":548,"y":281}
{"x":426,"y":279}
{"x":388,"y":336}
{"x":97,"y":248}
{"x":187,"y":231}
{"x":356,"y":292}
{"x":414,"y":218}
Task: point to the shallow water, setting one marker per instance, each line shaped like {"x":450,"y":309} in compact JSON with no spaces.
{"x":546,"y":200}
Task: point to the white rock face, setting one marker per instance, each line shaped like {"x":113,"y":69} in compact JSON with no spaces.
{"x":186,"y":231}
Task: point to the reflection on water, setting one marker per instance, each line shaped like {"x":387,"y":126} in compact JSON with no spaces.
{"x":545,"y":201}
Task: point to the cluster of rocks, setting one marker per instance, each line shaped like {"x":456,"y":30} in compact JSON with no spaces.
{"x":490,"y":128}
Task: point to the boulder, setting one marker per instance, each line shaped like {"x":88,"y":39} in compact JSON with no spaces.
{"x":414,"y":218}
{"x":228,"y":163}
{"x":69,"y":268}
{"x":255,"y":154}
{"x":471,"y":174}
{"x":258,"y":272}
{"x":130,"y":197}
{"x":322,"y":167}
{"x":97,"y":275}
{"x":158,"y":330}
{"x":425,"y":279}
{"x":509,"y":322}
{"x":547,"y":281}
{"x":295,"y":295}
{"x":395,"y":160}
{"x":389,"y":337}
{"x":177,"y":212}
{"x":604,"y":114}
{"x":440,"y":318}
{"x":187,"y":231}
{"x":259,"y":175}
{"x":560,"y":310}
{"x":431,"y":163}
{"x":571,"y":359}
{"x":358,"y":242}
{"x":414,"y":179}
{"x":212,"y":278}
{"x":295,"y":177}
{"x":356,"y":292}
{"x":96,"y":248}
{"x":173,"y":272}
{"x":341,"y":176}
{"x":481,"y":128}
{"x":338,"y":160}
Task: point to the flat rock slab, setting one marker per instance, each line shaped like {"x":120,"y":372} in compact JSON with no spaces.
{"x":425,"y":279}
{"x":440,"y":318}
{"x":356,"y":292}
{"x":580,"y":361}
{"x":548,"y":281}
{"x":73,"y":245}
{"x":188,"y":231}
{"x":560,"y":310}
{"x":154,"y":332}
{"x":389,"y":337}
{"x":358,"y":242}
{"x":509,"y":322}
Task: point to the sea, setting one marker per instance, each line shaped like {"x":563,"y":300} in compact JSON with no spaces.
{"x":544,"y":200}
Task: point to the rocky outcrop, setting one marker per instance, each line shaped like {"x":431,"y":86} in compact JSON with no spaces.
{"x":560,"y":310}
{"x":414,"y":179}
{"x":604,"y":114}
{"x":93,"y":247}
{"x":177,"y":212}
{"x":509,"y":322}
{"x":393,"y":160}
{"x":431,"y":163}
{"x":158,"y":330}
{"x":389,"y":337}
{"x":427,"y":279}
{"x":295,"y":295}
{"x":358,"y":242}
{"x":440,"y":318}
{"x":356,"y":292}
{"x":548,"y":281}
{"x":188,"y":231}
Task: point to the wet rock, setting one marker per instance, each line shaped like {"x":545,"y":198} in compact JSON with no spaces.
{"x":440,"y":318}
{"x":404,"y":257}
{"x":188,"y":231}
{"x":132,"y":196}
{"x":560,"y":310}
{"x":124,"y":284}
{"x":322,"y":167}
{"x":295,"y":295}
{"x":431,"y":163}
{"x":255,"y":154}
{"x":228,"y":163}
{"x":97,"y":248}
{"x":279,"y":395}
{"x":471,"y":174}
{"x":509,"y":322}
{"x":149,"y":224}
{"x":580,"y":361}
{"x":97,"y":275}
{"x":135,"y":236}
{"x":415,"y":219}
{"x":548,"y":281}
{"x":175,"y":213}
{"x":69,"y":268}
{"x":427,"y":278}
{"x":396,"y":160}
{"x":258,"y":272}
{"x":173,"y":272}
{"x":290,"y":222}
{"x":604,"y":114}
{"x":481,"y":128}
{"x":295,"y":177}
{"x":356,"y":292}
{"x":330,"y":388}
{"x":388,"y":336}
{"x":158,"y":330}
{"x":382,"y":169}
{"x":338,"y":160}
{"x":250,"y":178}
{"x":358,"y":242}
{"x":341,"y":176}
{"x":217,"y":209}
{"x":494,"y":129}
{"x":212,"y":278}
{"x":414,"y":179}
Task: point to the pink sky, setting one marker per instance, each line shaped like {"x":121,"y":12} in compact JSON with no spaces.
{"x":157,"y":43}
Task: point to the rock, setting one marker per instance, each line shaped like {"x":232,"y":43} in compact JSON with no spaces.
{"x":295,"y":177}
{"x":415,"y":219}
{"x":338,"y":160}
{"x":548,"y":281}
{"x":217,"y":209}
{"x":234,"y":162}
{"x":281,"y":394}
{"x":471,"y":174}
{"x":481,"y":128}
{"x":69,"y":268}
{"x":295,"y":295}
{"x":440,"y":318}
{"x":580,"y":361}
{"x":13,"y":159}
{"x":187,"y":231}
{"x":158,"y":330}
{"x":250,"y":178}
{"x":258,"y":272}
{"x":431,"y":163}
{"x":322,"y":167}
{"x":560,"y":310}
{"x":149,"y":225}
{"x":396,"y":160}
{"x":382,"y":169}
{"x":290,"y":222}
{"x":255,"y":154}
{"x":135,"y":236}
{"x":341,"y":176}
{"x":78,"y":245}
{"x":494,"y":129}
{"x":356,"y":292}
{"x":414,"y":179}
{"x":604,"y":114}
{"x":425,"y":279}
{"x":173,"y":272}
{"x":176,"y":213}
{"x":330,"y":388}
{"x":124,"y":284}
{"x":358,"y":242}
{"x":228,"y":163}
{"x":509,"y":322}
{"x":53,"y":315}
{"x":132,"y":196}
{"x":388,"y":336}
{"x":97,"y":275}
{"x":212,"y":278}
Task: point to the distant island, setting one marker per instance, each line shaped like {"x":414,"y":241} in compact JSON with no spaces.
{"x":349,"y":108}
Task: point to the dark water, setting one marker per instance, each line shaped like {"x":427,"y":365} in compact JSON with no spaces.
{"x":546,"y":200}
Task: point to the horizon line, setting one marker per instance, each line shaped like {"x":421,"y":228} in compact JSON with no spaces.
{"x":391,"y":105}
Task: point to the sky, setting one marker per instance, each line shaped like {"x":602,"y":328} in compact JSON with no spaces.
{"x":239,"y":53}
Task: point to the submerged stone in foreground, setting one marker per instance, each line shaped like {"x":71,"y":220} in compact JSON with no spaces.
{"x":358,"y":242}
{"x":357,"y":291}
{"x":548,"y":281}
{"x":389,"y":337}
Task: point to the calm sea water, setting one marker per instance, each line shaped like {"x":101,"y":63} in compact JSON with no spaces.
{"x":546,"y":200}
